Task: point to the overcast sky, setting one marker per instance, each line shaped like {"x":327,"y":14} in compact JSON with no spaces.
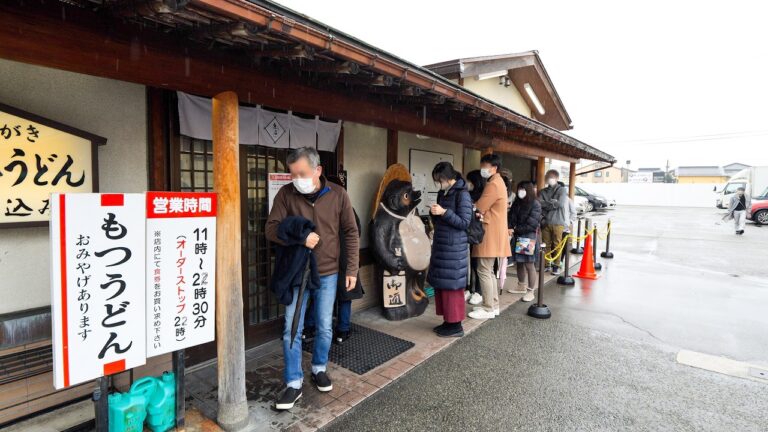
{"x":677,"y":80}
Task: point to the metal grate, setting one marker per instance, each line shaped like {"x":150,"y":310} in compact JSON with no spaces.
{"x":17,"y":366}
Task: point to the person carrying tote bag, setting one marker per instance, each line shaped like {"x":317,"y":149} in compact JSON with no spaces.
{"x":524,"y":221}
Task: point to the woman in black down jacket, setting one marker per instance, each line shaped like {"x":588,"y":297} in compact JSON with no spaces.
{"x":449,"y":262}
{"x":523,"y":221}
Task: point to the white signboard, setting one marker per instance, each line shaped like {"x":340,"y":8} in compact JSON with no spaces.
{"x":640,"y":177}
{"x":97,"y":272}
{"x":181,"y":270}
{"x":421,"y":163}
{"x":274,"y":182}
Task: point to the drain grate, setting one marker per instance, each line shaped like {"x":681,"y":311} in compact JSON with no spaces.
{"x":365,"y":349}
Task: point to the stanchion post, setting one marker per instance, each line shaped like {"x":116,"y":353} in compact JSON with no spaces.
{"x":101,"y":405}
{"x":566,"y":279}
{"x":608,"y":254}
{"x":178,"y":372}
{"x":539,"y":309}
{"x":578,"y":250}
{"x":598,"y":266}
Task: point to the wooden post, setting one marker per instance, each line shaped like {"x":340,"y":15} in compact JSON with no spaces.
{"x":392,"y":147}
{"x":540,"y":174}
{"x":572,"y":180}
{"x":230,"y":342}
{"x":487,"y":151}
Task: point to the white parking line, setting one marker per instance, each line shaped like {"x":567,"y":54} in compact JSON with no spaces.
{"x":723,"y":365}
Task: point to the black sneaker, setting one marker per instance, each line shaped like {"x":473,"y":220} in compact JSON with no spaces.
{"x":340,"y":336}
{"x":288,"y":399}
{"x":442,"y":326}
{"x":451,"y":331}
{"x":322,"y":382}
{"x":308,"y":334}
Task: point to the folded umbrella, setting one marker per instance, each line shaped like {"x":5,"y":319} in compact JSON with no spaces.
{"x":302,"y":288}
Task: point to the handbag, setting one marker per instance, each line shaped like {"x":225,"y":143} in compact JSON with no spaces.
{"x":475,"y":230}
{"x":525,"y":246}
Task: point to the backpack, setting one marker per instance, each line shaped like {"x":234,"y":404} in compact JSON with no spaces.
{"x":475,"y":230}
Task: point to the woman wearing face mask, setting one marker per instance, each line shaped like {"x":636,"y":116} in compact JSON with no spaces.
{"x":449,"y":263}
{"x":524,"y":219}
{"x":475,"y":186}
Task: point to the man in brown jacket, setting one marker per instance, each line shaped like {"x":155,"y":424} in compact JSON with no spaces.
{"x":328,"y":206}
{"x":492,"y":205}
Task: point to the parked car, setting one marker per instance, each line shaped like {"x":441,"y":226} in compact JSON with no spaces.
{"x":760,"y":209}
{"x":753,"y":179}
{"x":595,"y":201}
{"x":581,"y":204}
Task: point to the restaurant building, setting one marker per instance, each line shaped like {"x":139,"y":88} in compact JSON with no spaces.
{"x":133,"y":77}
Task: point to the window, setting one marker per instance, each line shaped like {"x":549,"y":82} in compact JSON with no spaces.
{"x":598,"y":173}
{"x":195,"y":164}
{"x":732,"y":187}
{"x":607,"y":173}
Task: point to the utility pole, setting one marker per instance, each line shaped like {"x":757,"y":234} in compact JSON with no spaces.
{"x":666,"y":172}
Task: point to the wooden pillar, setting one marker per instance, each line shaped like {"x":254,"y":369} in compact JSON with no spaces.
{"x":230,"y":342}
{"x":487,"y":151}
{"x":540,"y":172}
{"x":572,"y":180}
{"x":392,"y":147}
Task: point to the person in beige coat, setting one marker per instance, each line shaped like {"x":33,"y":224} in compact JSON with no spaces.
{"x":492,"y":206}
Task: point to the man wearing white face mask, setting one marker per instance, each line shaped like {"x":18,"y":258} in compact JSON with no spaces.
{"x":554,"y":206}
{"x":328,"y":207}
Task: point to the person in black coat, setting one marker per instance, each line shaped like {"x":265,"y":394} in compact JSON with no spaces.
{"x":524,"y":221}
{"x":448,"y":266}
{"x":475,"y":185}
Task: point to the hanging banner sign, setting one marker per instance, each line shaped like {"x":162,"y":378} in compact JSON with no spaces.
{"x":274,"y":182}
{"x":38,"y":157}
{"x":181,"y":270}
{"x":98,"y":295}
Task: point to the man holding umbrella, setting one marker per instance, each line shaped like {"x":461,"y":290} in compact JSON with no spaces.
{"x":327,"y":207}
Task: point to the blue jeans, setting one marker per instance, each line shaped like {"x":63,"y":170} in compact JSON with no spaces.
{"x":323,"y":298}
{"x":344,"y":317}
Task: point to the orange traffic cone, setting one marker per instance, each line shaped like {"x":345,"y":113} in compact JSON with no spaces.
{"x":587,"y":269}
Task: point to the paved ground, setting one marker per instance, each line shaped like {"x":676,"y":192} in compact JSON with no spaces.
{"x":606,"y":361}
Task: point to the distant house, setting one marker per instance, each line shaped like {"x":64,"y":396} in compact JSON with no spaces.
{"x":609,"y":174}
{"x":733,"y":168}
{"x":701,"y":174}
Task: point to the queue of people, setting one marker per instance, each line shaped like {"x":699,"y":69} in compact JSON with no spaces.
{"x":480,"y":224}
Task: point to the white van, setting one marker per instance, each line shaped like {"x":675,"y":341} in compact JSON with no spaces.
{"x":754,"y":180}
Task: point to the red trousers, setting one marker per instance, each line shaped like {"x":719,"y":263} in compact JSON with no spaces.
{"x":450,"y":304}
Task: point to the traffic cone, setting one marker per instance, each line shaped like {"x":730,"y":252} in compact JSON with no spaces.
{"x":587,"y":269}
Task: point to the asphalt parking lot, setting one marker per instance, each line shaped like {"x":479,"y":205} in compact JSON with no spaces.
{"x":606,"y":360}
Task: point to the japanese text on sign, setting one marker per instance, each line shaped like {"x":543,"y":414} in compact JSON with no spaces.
{"x":38,"y":157}
{"x":97,"y":285}
{"x":181,"y":229}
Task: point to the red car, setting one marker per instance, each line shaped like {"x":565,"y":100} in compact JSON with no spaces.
{"x":760,"y":211}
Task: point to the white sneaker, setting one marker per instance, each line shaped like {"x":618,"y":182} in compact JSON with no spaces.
{"x":467,"y":295}
{"x":481,"y":314}
{"x":528,"y":296}
{"x":518,"y":289}
{"x":556,"y":271}
{"x":475,"y":299}
{"x":496,"y":312}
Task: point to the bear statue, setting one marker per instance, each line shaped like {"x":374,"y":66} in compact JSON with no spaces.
{"x":402,"y":249}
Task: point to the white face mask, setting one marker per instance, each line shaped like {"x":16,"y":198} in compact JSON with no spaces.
{"x":304,"y":185}
{"x":521,"y":193}
{"x":485,"y":172}
{"x":552,"y":182}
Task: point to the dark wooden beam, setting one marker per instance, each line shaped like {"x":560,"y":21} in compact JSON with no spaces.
{"x":392,"y":147}
{"x":88,"y":43}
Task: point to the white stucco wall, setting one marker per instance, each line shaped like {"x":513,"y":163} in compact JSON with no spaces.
{"x":506,"y":96}
{"x":365,"y":159}
{"x":112,"y":109}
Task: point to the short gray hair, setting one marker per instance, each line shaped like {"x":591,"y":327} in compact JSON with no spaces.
{"x":313,"y":157}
